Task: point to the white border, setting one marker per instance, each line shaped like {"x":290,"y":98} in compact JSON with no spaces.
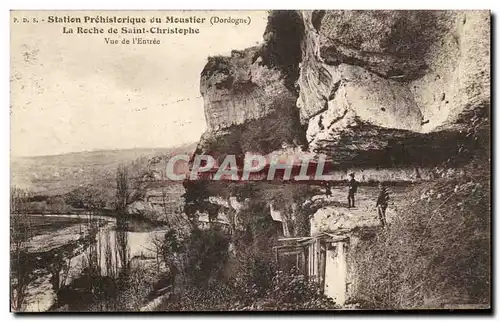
{"x":255,"y":4}
{"x":185,"y":4}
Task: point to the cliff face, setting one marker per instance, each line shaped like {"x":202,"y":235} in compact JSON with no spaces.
{"x":252,"y":83}
{"x":387,"y":94}
{"x":420,"y":71}
{"x":375,"y":88}
{"x":241,"y":88}
{"x":394,"y":96}
{"x":252,"y":93}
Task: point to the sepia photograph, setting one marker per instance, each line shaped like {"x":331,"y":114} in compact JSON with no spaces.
{"x":255,"y":161}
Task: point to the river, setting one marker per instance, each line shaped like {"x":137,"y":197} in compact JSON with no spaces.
{"x":41,"y":296}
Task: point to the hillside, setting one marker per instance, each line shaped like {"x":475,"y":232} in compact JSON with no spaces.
{"x":59,"y":174}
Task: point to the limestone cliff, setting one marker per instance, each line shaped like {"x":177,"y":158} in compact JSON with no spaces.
{"x":370,"y":88}
{"x":416,"y":71}
{"x":252,"y":93}
{"x":387,"y":94}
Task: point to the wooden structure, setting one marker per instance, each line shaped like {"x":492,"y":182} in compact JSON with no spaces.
{"x":322,"y":258}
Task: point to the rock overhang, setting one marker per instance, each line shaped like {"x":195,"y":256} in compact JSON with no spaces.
{"x":363,"y":86}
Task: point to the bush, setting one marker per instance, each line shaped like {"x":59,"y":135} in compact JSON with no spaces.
{"x":284,"y":292}
{"x":207,"y":255}
{"x":216,"y":281}
{"x":436,"y":252}
{"x":296,"y":292}
{"x":128,"y":292}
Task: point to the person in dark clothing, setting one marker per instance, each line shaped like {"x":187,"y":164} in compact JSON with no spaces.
{"x":382,"y":203}
{"x":353,"y":188}
{"x":328,"y":189}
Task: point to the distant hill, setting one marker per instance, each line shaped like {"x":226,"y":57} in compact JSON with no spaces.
{"x":59,"y":174}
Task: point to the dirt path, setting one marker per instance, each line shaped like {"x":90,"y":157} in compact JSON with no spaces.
{"x":335,"y":215}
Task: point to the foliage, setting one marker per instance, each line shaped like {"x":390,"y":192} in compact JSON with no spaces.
{"x":170,"y":249}
{"x":434,"y":253}
{"x":173,"y":244}
{"x":277,"y":129}
{"x":135,"y":286}
{"x":294,"y":291}
{"x":207,"y":253}
{"x":284,"y":292}
{"x":57,"y":204}
{"x":91,"y":197}
{"x":126,"y":292}
{"x":289,"y":199}
{"x":122,"y":190}
{"x":20,"y":232}
{"x":237,"y":271}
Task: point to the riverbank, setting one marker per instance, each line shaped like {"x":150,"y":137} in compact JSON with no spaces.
{"x":67,"y":246}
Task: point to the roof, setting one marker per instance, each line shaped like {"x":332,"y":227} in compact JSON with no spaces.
{"x":304,"y":241}
{"x":275,"y":214}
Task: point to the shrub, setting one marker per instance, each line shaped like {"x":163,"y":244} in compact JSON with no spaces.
{"x":296,"y":292}
{"x":207,"y":254}
{"x":436,"y":252}
{"x":284,"y":292}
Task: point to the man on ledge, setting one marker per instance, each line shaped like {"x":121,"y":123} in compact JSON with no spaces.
{"x":382,"y":203}
{"x":353,"y":188}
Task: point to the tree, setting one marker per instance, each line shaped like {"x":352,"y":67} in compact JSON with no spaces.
{"x":20,"y":232}
{"x":57,"y":204}
{"x":171,"y":251}
{"x":122,"y":198}
{"x":173,"y":254}
{"x":207,"y":254}
{"x":164,"y":196}
{"x":122,"y":189}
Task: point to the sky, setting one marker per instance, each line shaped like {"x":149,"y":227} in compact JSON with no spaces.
{"x":74,"y":92}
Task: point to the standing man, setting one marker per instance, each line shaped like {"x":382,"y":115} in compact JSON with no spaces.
{"x":328,"y":188}
{"x":353,"y":188}
{"x":382,"y":203}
